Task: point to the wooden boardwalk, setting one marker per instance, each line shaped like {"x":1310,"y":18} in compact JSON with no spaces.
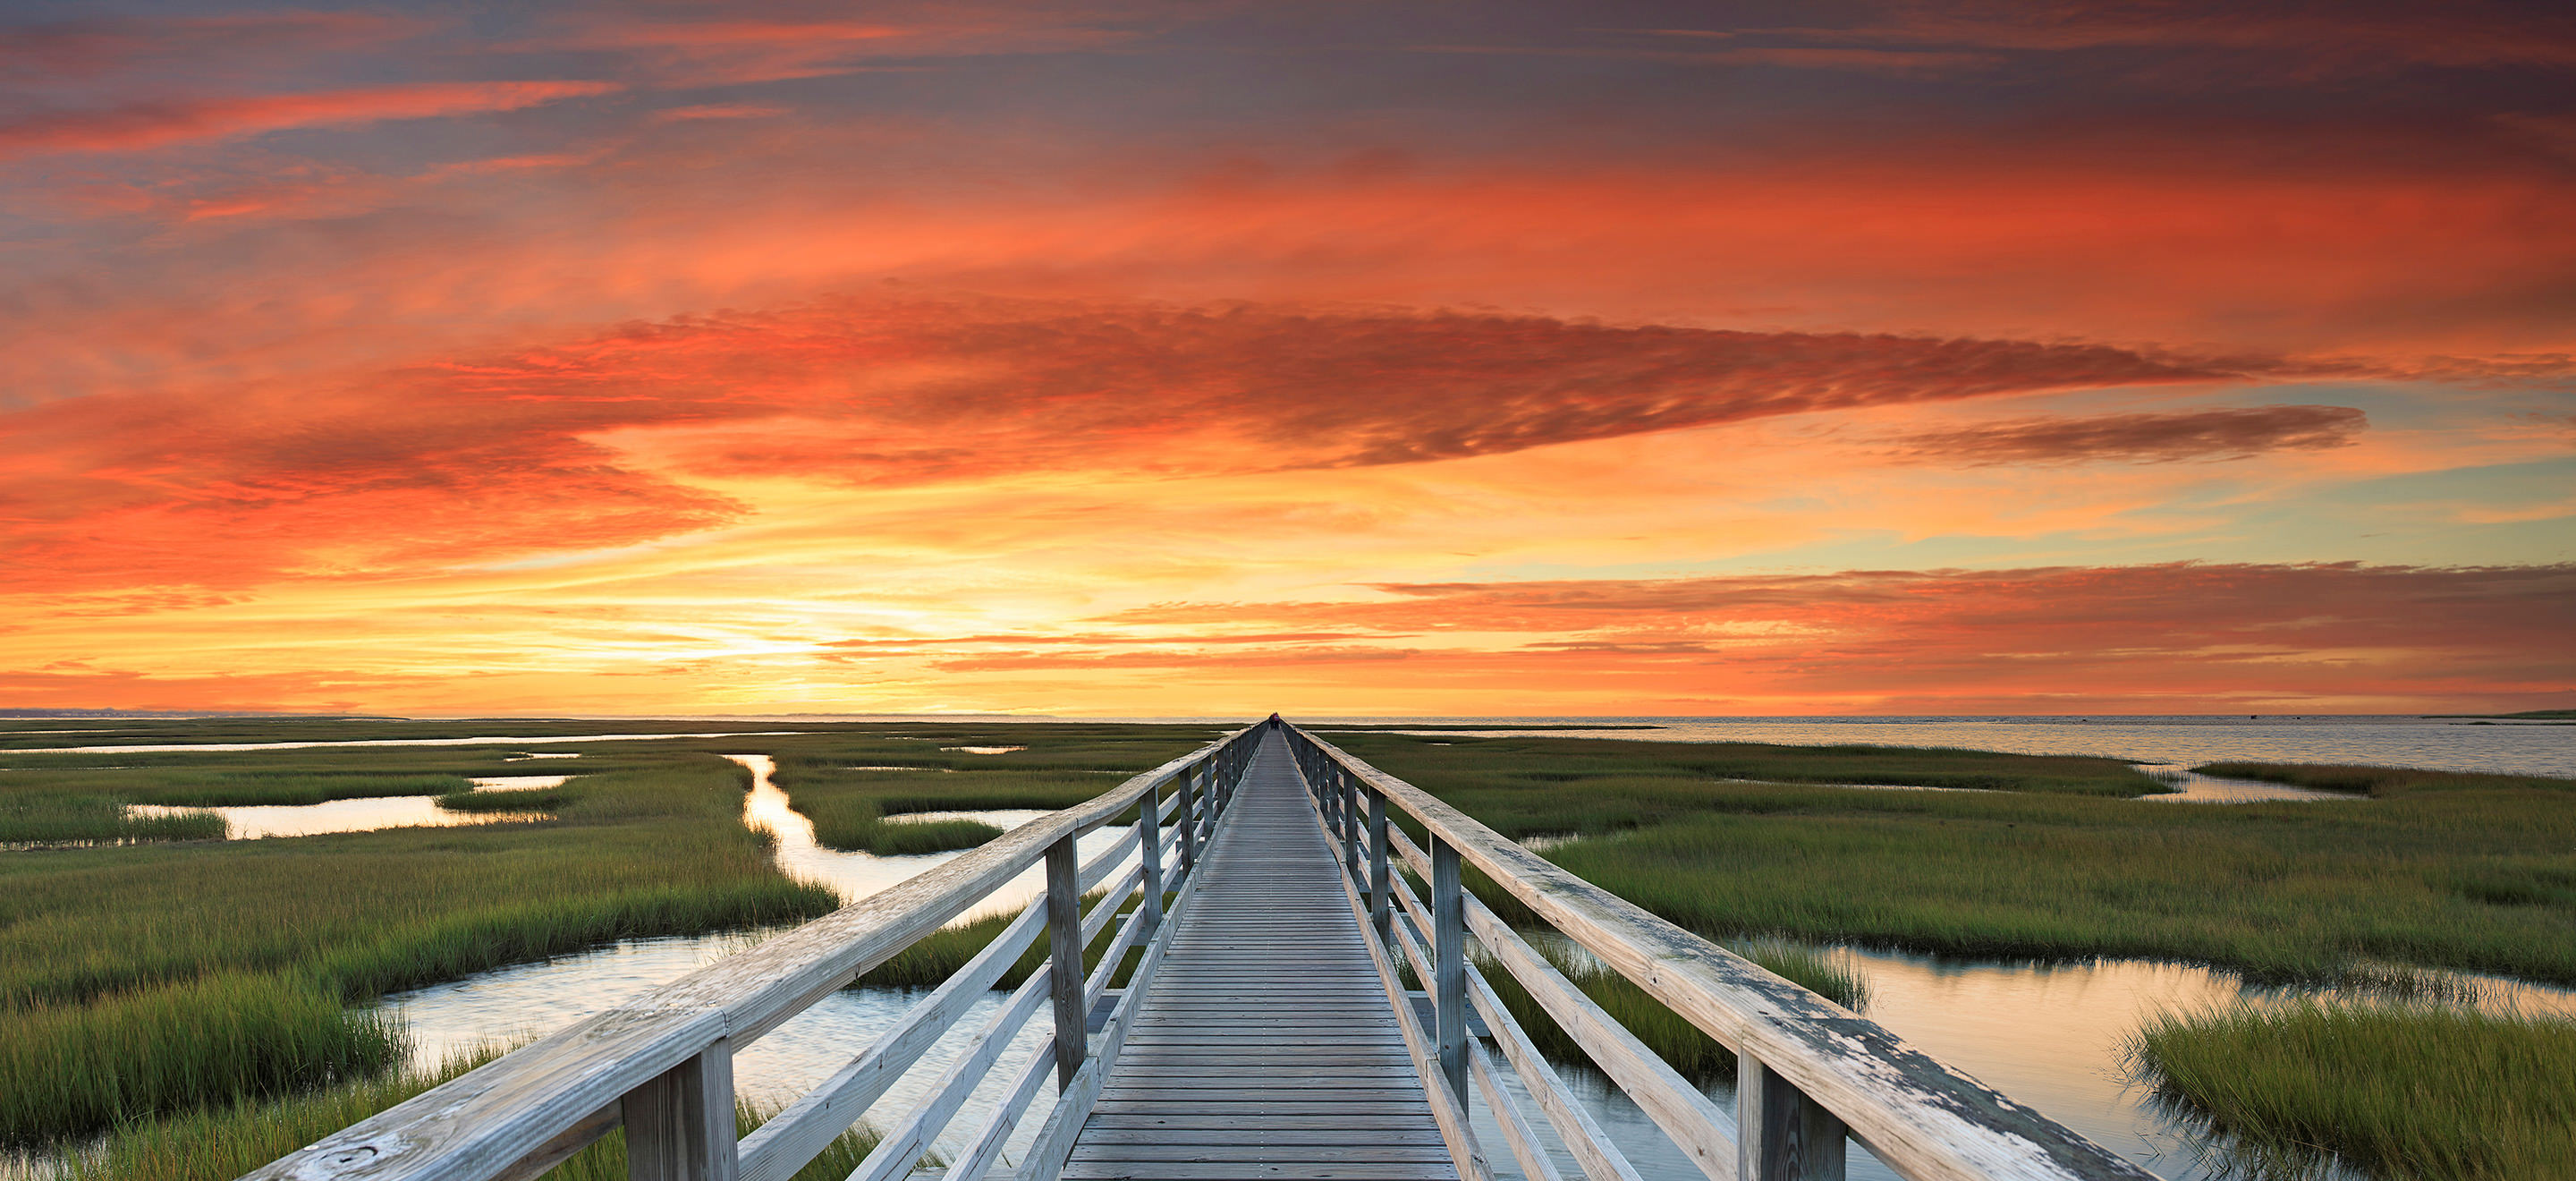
{"x":1262,"y":1040}
{"x":1265,"y":1046}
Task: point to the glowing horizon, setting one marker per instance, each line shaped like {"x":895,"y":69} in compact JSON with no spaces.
{"x":1132,"y":359}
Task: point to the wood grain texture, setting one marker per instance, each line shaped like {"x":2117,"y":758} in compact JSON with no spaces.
{"x":1264,"y":1046}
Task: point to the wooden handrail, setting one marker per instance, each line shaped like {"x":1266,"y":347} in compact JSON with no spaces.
{"x":662,"y":1063}
{"x":1811,"y":1068}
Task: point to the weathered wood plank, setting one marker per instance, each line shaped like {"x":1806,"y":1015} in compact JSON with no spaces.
{"x":1266,"y":1041}
{"x":1252,"y":1171}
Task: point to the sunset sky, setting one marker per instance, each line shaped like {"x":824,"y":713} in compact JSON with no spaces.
{"x":1325,"y":357}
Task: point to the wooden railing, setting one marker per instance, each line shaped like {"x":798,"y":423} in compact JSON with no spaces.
{"x":1809,"y":1071}
{"x":662,"y":1065}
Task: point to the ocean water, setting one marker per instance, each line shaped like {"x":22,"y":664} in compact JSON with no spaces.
{"x":2448,"y":744}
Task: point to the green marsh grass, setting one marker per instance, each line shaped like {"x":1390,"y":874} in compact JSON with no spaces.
{"x":2465,"y":875}
{"x":97,"y":945}
{"x":2381,"y":782}
{"x":125,"y":1055}
{"x":72,"y":820}
{"x":517,"y":799}
{"x":2397,"y":1090}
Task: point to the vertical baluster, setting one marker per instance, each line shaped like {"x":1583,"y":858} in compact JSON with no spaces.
{"x":1449,"y":963}
{"x":1064,"y":958}
{"x":1350,"y":795}
{"x":1149,"y":852}
{"x":1781,"y":1134}
{"x":679,"y":1127}
{"x":1188,"y":780}
{"x":1381,"y":892}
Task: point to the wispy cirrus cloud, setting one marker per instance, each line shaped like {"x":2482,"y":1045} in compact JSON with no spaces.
{"x":152,"y":123}
{"x":2229,"y":433}
{"x":2197,"y":636}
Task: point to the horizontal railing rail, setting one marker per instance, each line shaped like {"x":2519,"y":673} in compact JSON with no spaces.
{"x":661,"y":1065}
{"x":1809,"y":1071}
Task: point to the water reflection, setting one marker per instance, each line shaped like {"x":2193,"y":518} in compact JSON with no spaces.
{"x":857,"y":875}
{"x":2196,"y":788}
{"x":251,"y":822}
{"x":2049,"y":1035}
{"x":2448,"y":744}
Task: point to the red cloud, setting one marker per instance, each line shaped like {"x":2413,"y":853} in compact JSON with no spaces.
{"x":2181,"y":635}
{"x":2145,"y":438}
{"x":2338,"y":38}
{"x":479,"y":461}
{"x":149,"y":124}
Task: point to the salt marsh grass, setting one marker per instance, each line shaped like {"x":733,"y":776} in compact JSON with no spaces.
{"x":103,"y":951}
{"x":2397,"y":1090}
{"x":2456,"y":872}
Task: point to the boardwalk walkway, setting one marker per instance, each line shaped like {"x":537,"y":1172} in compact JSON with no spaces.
{"x":1265,"y":1047}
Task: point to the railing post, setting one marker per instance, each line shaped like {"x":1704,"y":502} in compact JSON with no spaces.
{"x":1449,"y":963}
{"x":1211,"y":801}
{"x":1149,"y":854}
{"x":1381,"y":894}
{"x":1782,"y":1135}
{"x":1350,"y":794}
{"x":679,"y":1127}
{"x":1064,"y":959}
{"x":1186,"y":820}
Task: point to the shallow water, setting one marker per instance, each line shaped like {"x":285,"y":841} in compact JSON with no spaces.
{"x":2197,"y":788}
{"x":857,"y":875}
{"x":2049,"y":1035}
{"x":529,"y":1000}
{"x":2515,"y":748}
{"x":251,"y":822}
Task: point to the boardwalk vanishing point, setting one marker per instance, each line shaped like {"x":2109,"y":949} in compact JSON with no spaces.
{"x":1253,"y":987}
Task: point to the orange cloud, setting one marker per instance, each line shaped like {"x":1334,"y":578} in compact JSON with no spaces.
{"x":151,"y":124}
{"x":2138,"y":638}
{"x":2145,"y":438}
{"x":585,"y":445}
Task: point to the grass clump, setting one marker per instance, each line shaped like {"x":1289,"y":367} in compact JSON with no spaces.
{"x":519,"y":799}
{"x":31,"y":819}
{"x":901,"y":837}
{"x":155,"y":1050}
{"x":2380,"y":782}
{"x":2412,"y":1091}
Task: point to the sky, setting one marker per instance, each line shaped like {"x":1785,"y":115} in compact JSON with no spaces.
{"x":1325,"y":357}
